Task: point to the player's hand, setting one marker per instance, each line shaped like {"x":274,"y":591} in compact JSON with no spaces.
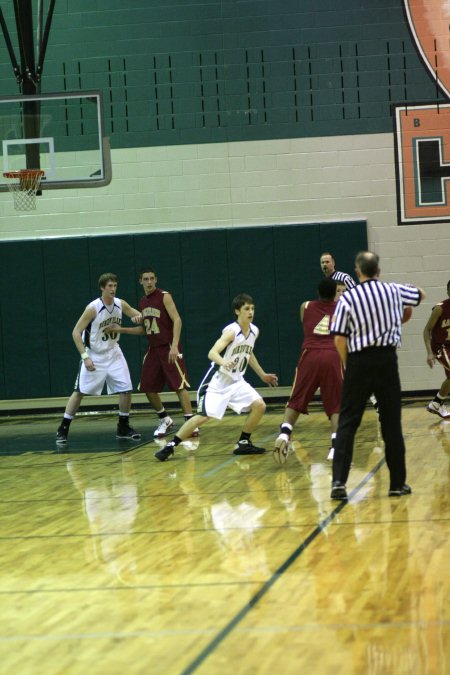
{"x":110,"y":329}
{"x":174,"y":354}
{"x":229,"y":365}
{"x":137,"y":319}
{"x":430,"y":360}
{"x":271,"y":379}
{"x":89,"y":364}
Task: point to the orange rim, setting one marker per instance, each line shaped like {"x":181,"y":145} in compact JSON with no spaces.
{"x":22,"y":173}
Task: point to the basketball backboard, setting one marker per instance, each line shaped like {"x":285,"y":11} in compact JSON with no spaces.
{"x":60,"y":133}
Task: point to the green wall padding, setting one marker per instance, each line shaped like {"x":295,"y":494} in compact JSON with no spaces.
{"x":2,"y":365}
{"x":46,"y":285}
{"x":68,"y":289}
{"x":296,"y":259}
{"x":206,"y":295}
{"x":25,"y":329}
{"x":252,"y":270}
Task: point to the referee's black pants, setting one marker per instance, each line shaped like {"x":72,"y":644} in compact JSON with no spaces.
{"x":373,"y":370}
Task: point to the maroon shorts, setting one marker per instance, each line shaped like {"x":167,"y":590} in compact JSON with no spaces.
{"x":157,"y":371}
{"x":317,"y":368}
{"x":443,"y":357}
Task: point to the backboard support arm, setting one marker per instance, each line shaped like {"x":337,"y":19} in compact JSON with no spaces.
{"x":28,"y":75}
{"x":43,"y":45}
{"x":12,"y":56}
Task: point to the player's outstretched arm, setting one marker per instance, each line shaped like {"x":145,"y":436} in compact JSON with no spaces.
{"x":115,"y":328}
{"x":130,"y":311}
{"x":269,"y":378}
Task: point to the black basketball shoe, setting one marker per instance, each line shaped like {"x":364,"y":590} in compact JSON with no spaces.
{"x":166,"y":452}
{"x":247,"y":448}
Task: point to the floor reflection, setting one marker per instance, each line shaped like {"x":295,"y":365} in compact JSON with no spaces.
{"x":110,"y":500}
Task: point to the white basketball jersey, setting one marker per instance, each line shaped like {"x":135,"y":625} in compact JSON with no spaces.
{"x":93,"y":336}
{"x":239,"y":350}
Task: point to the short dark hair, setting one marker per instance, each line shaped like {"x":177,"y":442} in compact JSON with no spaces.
{"x":368,"y":263}
{"x":327,"y":253}
{"x":146,"y":269}
{"x":326,"y":288}
{"x":241,"y":300}
{"x":105,"y":278}
{"x":448,"y":283}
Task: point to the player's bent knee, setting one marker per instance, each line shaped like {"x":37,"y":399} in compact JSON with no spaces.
{"x":259,"y":405}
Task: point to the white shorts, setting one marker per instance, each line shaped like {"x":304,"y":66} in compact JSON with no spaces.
{"x":219,"y":396}
{"x":111,"y":369}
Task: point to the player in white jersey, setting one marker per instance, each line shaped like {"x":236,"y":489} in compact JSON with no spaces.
{"x":106,"y":316}
{"x":102,"y":361}
{"x":224,"y":384}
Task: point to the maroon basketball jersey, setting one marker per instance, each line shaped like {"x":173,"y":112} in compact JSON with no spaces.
{"x":157,"y":323}
{"x":316,"y":324}
{"x":440,"y":335}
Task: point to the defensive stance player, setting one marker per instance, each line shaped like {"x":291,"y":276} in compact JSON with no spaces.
{"x":163,"y":363}
{"x":102,"y":361}
{"x":319,"y":365}
{"x":224,"y":384}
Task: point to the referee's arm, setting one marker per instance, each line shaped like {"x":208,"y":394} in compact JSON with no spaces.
{"x":340,"y":342}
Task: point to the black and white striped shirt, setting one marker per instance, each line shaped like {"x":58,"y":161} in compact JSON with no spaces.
{"x":344,"y":278}
{"x":370,"y":315}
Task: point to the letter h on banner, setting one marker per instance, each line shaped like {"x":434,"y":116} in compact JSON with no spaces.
{"x":422,"y":138}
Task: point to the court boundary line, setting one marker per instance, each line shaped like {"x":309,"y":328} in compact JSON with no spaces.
{"x":267,"y":585}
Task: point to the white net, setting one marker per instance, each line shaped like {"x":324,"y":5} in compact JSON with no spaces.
{"x":23,"y":186}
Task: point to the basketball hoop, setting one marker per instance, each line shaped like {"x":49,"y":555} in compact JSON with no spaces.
{"x":23,"y":185}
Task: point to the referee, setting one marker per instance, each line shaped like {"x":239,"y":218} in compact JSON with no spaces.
{"x":328,"y":267}
{"x":367,"y":330}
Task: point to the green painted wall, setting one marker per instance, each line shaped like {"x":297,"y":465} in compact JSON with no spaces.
{"x":176,"y":71}
{"x":47,"y":283}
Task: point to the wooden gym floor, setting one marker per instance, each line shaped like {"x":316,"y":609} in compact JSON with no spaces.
{"x":112,"y":562}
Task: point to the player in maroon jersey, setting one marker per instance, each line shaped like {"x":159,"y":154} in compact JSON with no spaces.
{"x":436,"y":335}
{"x":164,"y":363}
{"x":319,"y":365}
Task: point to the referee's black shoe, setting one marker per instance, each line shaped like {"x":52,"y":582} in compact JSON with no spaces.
{"x":338,"y":491}
{"x":399,"y":492}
